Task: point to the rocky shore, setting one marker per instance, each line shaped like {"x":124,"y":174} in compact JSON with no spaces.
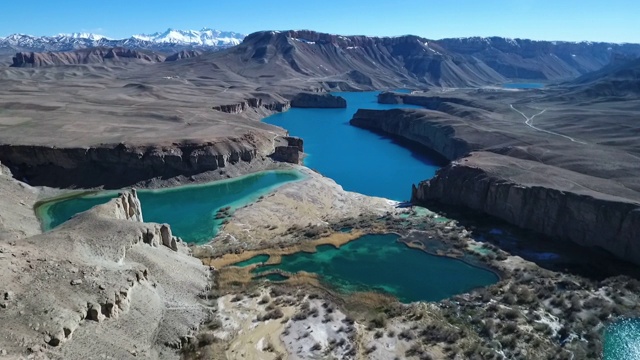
{"x":497,"y":172}
{"x":314,"y":100}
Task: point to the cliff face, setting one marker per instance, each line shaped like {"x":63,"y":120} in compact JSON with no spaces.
{"x":310,"y":100}
{"x":253,"y":103}
{"x":116,"y":166}
{"x":412,"y":125}
{"x":288,"y":149}
{"x":514,"y":190}
{"x":500,"y":167}
{"x":145,"y":280}
{"x":84,"y":56}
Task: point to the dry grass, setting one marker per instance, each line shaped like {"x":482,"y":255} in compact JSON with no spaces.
{"x":234,"y":276}
{"x":336,"y":239}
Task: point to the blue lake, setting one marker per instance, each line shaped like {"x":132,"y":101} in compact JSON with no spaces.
{"x":190,"y":209}
{"x":357,"y":159}
{"x":381,"y":263}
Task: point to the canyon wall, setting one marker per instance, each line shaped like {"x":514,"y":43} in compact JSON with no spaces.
{"x":516,"y":191}
{"x":557,"y":202}
{"x":115,"y":166}
{"x":419,"y":126}
{"x":253,"y":103}
{"x":310,"y":100}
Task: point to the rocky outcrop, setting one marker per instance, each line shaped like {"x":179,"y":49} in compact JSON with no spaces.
{"x":116,"y":166}
{"x":84,"y":56}
{"x":522,"y":177}
{"x":253,"y":103}
{"x":183,"y":54}
{"x":311,"y":100}
{"x":422,"y":126}
{"x":102,"y":272}
{"x":290,"y":151}
{"x":555,"y":202}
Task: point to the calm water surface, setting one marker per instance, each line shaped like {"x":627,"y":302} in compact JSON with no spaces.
{"x":190,"y":209}
{"x":357,"y":159}
{"x":380,"y":263}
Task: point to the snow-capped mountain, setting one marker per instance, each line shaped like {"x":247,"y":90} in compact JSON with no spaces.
{"x":170,"y":40}
{"x":204,"y":37}
{"x":84,"y":35}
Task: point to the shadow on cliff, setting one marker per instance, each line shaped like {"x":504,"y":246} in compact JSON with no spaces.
{"x":551,"y":254}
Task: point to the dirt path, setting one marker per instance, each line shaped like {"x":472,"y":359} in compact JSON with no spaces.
{"x":529,"y":123}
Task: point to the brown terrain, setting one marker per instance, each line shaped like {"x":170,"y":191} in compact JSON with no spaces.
{"x":559,"y":162}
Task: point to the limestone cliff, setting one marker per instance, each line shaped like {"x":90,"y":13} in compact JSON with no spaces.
{"x":553,"y":201}
{"x":569,"y":200}
{"x":84,"y":56}
{"x":253,"y":103}
{"x":101,"y":283}
{"x":115,"y":166}
{"x":311,"y":100}
{"x":422,"y":126}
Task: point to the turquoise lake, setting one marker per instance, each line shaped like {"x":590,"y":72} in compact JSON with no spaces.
{"x":357,"y":159}
{"x":380,"y":263}
{"x":622,"y":340}
{"x":189,"y":209}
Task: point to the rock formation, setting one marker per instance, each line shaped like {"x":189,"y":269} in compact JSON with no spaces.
{"x":252,"y":103}
{"x":314,"y":100}
{"x":183,"y":54}
{"x":533,"y":179}
{"x":84,"y":56}
{"x":119,"y":165}
{"x":291,"y":152}
{"x":94,"y":286}
{"x":552,"y":201}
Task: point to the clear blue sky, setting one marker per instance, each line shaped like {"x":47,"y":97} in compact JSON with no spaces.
{"x":595,"y":20}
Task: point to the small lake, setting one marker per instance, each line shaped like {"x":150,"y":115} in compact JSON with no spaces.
{"x":190,"y":209}
{"x":357,"y":159}
{"x":622,"y":340}
{"x":381,"y":263}
{"x":523,"y":86}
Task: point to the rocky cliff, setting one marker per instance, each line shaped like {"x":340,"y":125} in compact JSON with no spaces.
{"x":288,"y":149}
{"x":555,"y":202}
{"x":533,"y":179}
{"x":253,"y":103}
{"x":312,"y":100}
{"x":428,"y":128}
{"x":84,"y":56}
{"x":101,"y":283}
{"x":116,"y":166}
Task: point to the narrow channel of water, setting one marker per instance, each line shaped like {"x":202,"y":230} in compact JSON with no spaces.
{"x":381,"y":263}
{"x":190,"y":209}
{"x":357,"y":159}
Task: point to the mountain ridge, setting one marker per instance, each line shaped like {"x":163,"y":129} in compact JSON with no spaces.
{"x":169,"y":40}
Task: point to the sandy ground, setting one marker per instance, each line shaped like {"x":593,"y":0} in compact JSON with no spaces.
{"x":251,"y":339}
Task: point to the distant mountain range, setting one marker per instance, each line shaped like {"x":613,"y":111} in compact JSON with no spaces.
{"x":170,"y":40}
{"x":343,"y":62}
